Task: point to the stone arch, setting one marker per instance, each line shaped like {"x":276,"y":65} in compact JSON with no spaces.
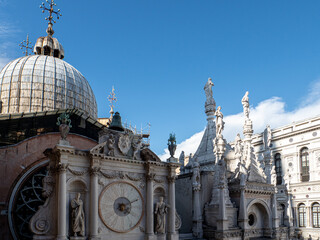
{"x":30,"y":172}
{"x":262,"y":216}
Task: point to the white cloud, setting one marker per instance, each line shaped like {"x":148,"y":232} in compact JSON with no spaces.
{"x":271,"y":111}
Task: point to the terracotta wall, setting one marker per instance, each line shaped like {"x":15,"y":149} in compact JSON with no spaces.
{"x":16,"y":159}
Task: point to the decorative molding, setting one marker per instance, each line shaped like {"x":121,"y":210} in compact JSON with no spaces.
{"x":77,"y":173}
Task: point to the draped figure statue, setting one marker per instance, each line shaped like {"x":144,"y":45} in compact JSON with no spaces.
{"x":245,"y":104}
{"x":219,"y":122}
{"x":161,"y":210}
{"x":78,"y":227}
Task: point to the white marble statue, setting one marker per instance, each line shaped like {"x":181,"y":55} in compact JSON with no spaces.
{"x":161,"y":210}
{"x":267,"y":137}
{"x":219,"y":122}
{"x":111,"y":142}
{"x":208,"y":90}
{"x":273,"y":176}
{"x":238,"y":146}
{"x":196,"y":176}
{"x":136,"y":145}
{"x":78,"y":226}
{"x":245,"y":104}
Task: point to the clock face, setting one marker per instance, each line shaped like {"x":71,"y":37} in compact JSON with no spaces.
{"x":121,"y":206}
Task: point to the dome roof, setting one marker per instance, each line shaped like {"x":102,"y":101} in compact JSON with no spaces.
{"x":42,"y":83}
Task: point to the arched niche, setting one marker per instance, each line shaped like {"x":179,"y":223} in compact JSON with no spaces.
{"x":159,"y":192}
{"x":259,"y":216}
{"x":74,"y":186}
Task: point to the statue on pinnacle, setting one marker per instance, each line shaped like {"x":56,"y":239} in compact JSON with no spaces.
{"x":210,"y":105}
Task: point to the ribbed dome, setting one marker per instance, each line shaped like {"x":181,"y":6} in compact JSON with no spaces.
{"x":42,"y":83}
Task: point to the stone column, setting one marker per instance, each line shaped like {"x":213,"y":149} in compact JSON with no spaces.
{"x":310,"y":216}
{"x":296,"y":214}
{"x":94,"y":203}
{"x":172,"y":209}
{"x":197,"y":213}
{"x":243,"y":219}
{"x":62,"y":202}
{"x":222,"y":222}
{"x":275,"y":217}
{"x":149,"y":204}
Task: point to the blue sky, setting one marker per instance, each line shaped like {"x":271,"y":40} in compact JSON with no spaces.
{"x":159,"y":54}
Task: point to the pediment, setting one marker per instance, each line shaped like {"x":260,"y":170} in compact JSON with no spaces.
{"x":148,"y":155}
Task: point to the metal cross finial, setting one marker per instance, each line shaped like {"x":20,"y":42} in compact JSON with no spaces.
{"x":25,"y":44}
{"x":112,"y":99}
{"x":50,"y":10}
{"x":50,"y":17}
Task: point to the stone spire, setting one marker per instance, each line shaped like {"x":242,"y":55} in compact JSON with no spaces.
{"x":204,"y":153}
{"x":48,"y":45}
{"x":255,"y":172}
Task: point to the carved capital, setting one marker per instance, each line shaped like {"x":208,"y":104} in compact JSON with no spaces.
{"x":62,"y":167}
{"x":94,"y":171}
{"x":171,"y":179}
{"x":150,"y":176}
{"x":196,"y":187}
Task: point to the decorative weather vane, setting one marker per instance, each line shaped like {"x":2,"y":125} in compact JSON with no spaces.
{"x":51,"y":12}
{"x":112,"y":99}
{"x":25,"y":44}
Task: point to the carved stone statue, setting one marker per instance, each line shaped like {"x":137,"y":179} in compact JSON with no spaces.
{"x":161,"y":210}
{"x":210,"y":104}
{"x":196,"y":176}
{"x":111,"y":142}
{"x":208,"y":90}
{"x":219,"y":122}
{"x":273,"y":176}
{"x":78,"y":226}
{"x":181,"y":161}
{"x":238,"y":146}
{"x":136,"y":145}
{"x":267,"y":137}
{"x":245,"y":104}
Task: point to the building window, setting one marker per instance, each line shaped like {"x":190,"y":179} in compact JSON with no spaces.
{"x":302,"y":215}
{"x":316,"y":215}
{"x":277,"y":159}
{"x":304,"y":158}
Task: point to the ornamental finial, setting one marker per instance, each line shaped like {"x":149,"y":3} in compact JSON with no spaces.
{"x":25,"y":44}
{"x":112,"y":99}
{"x":172,"y":144}
{"x":51,"y":11}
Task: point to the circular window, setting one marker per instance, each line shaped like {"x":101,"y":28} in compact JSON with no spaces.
{"x":26,"y":200}
{"x":251,"y":219}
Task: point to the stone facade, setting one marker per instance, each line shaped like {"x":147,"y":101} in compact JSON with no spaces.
{"x":272,"y":181}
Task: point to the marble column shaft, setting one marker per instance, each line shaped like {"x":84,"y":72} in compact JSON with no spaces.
{"x":172,"y":205}
{"x":243,"y":210}
{"x":62,"y":199}
{"x":275,"y":211}
{"x":94,"y":204}
{"x":149,"y":208}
